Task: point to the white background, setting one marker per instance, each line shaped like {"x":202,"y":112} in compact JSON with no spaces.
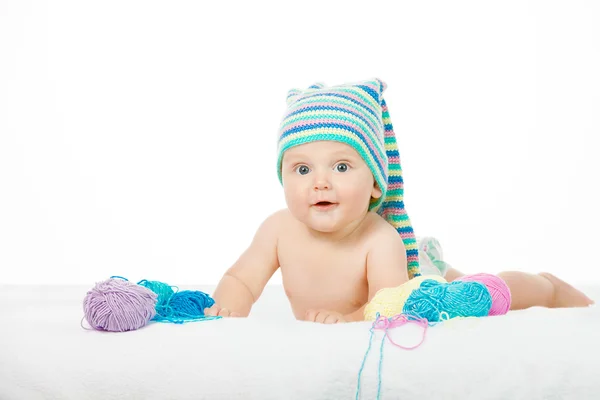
{"x":138,"y":138}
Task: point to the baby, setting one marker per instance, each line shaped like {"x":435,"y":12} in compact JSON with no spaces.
{"x":345,"y":233}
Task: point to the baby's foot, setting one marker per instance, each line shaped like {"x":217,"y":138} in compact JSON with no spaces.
{"x":566,"y":295}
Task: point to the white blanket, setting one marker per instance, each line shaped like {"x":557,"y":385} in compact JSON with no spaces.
{"x":532,"y":354}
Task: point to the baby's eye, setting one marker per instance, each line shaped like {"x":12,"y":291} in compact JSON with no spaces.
{"x":341,"y":167}
{"x":302,"y":169}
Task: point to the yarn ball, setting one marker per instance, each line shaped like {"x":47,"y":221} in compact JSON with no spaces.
{"x":185,"y":305}
{"x":164,"y":292}
{"x":118,"y":305}
{"x":390,"y":301}
{"x":457,"y":299}
{"x":500,"y":292}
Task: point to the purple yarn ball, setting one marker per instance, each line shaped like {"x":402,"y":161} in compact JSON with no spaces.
{"x":117,"y":305}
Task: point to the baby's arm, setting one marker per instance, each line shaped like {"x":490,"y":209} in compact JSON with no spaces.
{"x":244,"y":282}
{"x":386,"y":266}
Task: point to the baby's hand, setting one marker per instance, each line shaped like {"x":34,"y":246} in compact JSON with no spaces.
{"x":324,"y":316}
{"x":215,"y":310}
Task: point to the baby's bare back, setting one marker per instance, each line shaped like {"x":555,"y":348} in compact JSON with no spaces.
{"x":318,"y":273}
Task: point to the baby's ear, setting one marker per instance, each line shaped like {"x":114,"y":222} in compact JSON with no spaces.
{"x":376,"y":192}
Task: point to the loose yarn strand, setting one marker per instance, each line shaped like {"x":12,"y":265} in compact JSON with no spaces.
{"x":400,"y":320}
{"x":380,"y":366}
{"x":81,"y":324}
{"x":385,"y":324}
{"x":365,"y":359}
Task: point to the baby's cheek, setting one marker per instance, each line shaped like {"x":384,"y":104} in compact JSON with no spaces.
{"x":294,"y":198}
{"x":358,"y":195}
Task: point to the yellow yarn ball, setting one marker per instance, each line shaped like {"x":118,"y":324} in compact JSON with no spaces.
{"x":390,"y":301}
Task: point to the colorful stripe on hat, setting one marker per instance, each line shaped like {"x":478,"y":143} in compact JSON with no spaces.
{"x":392,"y":209}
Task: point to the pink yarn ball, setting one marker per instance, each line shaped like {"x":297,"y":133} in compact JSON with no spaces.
{"x":498,"y":289}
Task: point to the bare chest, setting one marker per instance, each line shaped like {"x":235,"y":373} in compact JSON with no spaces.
{"x":323,"y":276}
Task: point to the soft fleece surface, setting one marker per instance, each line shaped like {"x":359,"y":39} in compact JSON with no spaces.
{"x":532,"y":354}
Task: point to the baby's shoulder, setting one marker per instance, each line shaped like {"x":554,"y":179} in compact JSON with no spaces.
{"x":279,"y":222}
{"x":271,"y":228}
{"x":379,"y":231}
{"x":283,"y":216}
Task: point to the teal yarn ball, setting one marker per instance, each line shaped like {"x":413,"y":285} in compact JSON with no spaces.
{"x":164,"y":293}
{"x":178,"y":307}
{"x":457,"y":299}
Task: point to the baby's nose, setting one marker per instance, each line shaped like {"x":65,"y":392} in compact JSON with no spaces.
{"x":322,"y":183}
{"x":322,"y":186}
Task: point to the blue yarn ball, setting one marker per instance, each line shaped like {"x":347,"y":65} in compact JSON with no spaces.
{"x":178,"y":307}
{"x":190,"y":303}
{"x":457,"y":299}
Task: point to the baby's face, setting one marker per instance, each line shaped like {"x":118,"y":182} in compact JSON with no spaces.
{"x":327,"y":185}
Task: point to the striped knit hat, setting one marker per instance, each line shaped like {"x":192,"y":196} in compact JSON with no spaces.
{"x":355,"y":114}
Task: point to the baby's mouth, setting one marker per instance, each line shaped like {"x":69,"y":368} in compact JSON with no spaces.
{"x":324,"y":205}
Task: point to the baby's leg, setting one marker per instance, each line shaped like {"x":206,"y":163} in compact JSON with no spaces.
{"x":452,"y":274}
{"x":536,"y":290}
{"x":543,"y":289}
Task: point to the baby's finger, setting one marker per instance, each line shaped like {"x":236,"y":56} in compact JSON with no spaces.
{"x":235,"y":315}
{"x":321,"y":316}
{"x":330,"y":319}
{"x":224,"y":312}
{"x":310,"y":315}
{"x":212,"y":311}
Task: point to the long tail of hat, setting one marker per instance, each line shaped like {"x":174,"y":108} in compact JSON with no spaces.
{"x":392,"y":208}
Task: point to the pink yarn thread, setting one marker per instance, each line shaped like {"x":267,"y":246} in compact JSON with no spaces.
{"x":501,"y":297}
{"x":383,"y":323}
